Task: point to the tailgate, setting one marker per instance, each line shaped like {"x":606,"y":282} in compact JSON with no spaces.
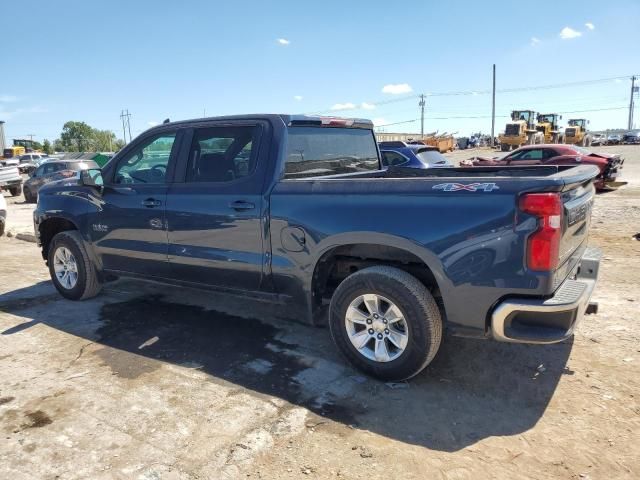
{"x":9,"y":174}
{"x":578,"y":203}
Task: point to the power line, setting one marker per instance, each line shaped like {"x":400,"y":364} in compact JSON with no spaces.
{"x":486,"y":92}
{"x":466,"y":117}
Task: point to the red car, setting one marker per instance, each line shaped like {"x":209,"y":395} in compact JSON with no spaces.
{"x":556,"y":154}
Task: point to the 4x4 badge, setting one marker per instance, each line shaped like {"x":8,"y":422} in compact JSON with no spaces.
{"x":469,"y":187}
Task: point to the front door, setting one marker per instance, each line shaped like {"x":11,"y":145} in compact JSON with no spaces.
{"x":128,"y":226}
{"x":214,"y":215}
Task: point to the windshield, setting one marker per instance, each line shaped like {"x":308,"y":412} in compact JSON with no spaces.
{"x":317,"y":151}
{"x":431,"y":157}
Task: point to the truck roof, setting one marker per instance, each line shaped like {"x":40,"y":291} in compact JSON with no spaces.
{"x":287,"y":119}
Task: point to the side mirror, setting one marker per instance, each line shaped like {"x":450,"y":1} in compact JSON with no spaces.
{"x":92,"y":178}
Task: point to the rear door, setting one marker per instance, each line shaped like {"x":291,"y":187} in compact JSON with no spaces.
{"x":215,"y":214}
{"x":128,"y":228}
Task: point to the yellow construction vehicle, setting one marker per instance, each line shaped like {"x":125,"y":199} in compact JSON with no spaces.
{"x":549,"y":125}
{"x":520,"y":131}
{"x":576,"y":132}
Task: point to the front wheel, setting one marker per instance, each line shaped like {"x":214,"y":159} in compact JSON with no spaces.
{"x":385,"y":322}
{"x":72,"y":272}
{"x":16,"y":191}
{"x":29,"y":197}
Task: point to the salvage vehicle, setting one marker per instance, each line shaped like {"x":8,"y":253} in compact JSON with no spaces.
{"x":51,"y":171}
{"x":598,"y":139}
{"x":632,"y":137}
{"x":520,"y":131}
{"x":395,"y":154}
{"x":614,"y":139}
{"x":10,"y":179}
{"x":3,"y":213}
{"x":297,"y":210}
{"x":576,"y":133}
{"x":608,"y":164}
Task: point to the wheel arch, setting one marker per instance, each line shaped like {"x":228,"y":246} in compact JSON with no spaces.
{"x":342,"y":255}
{"x":50,"y":227}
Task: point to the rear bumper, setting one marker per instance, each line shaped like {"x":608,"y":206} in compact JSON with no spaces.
{"x":550,"y":320}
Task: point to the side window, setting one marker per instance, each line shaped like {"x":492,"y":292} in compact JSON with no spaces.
{"x":530,"y":155}
{"x":391,"y":158}
{"x":39,"y":171}
{"x":49,"y":168}
{"x":222,"y":154}
{"x":148,"y":163}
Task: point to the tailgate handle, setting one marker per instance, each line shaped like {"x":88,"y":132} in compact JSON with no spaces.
{"x":241,"y":205}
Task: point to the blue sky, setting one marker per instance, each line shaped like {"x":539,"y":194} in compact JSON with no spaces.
{"x":84,"y":60}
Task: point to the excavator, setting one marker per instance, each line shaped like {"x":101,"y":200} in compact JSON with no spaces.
{"x":520,"y":131}
{"x":576,"y":132}
{"x":548,"y":125}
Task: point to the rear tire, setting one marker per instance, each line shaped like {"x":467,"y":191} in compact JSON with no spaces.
{"x":504,"y":148}
{"x":16,"y":191}
{"x":86,"y":283}
{"x":410,"y":344}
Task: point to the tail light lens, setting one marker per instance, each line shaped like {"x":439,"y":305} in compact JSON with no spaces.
{"x":543,"y":245}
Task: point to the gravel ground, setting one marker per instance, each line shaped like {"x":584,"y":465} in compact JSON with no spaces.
{"x":149,"y":382}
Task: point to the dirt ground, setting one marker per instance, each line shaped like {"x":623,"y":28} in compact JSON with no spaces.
{"x":152,"y":382}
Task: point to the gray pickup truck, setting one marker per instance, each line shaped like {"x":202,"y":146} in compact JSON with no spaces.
{"x":10,"y":179}
{"x":298,"y":211}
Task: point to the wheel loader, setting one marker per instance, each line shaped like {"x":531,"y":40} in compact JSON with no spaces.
{"x":576,"y":132}
{"x":520,"y":131}
{"x":549,"y":125}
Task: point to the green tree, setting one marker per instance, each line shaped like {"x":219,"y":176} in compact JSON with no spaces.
{"x":104,"y":140}
{"x":76,"y":137}
{"x":46,"y":146}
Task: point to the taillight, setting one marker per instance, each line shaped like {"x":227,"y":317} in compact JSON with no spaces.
{"x":543,"y":245}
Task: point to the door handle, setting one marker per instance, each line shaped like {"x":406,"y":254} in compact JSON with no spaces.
{"x":241,"y":205}
{"x":151,"y":202}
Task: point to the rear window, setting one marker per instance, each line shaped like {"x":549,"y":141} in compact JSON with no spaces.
{"x":431,"y":157}
{"x":318,"y":151}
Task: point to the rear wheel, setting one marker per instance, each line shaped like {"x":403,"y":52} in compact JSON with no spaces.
{"x":385,"y":322}
{"x":72,"y":272}
{"x":16,"y":191}
{"x":504,"y":148}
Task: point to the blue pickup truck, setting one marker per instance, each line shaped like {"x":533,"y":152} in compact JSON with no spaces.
{"x":298,"y":210}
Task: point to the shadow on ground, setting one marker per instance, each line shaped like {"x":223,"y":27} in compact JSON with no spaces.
{"x":473,"y":390}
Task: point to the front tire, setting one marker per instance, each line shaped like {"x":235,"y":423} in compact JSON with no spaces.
{"x":16,"y":191}
{"x":385,"y":322}
{"x":29,"y":197}
{"x":72,"y":272}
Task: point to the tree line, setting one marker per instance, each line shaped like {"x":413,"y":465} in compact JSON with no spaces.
{"x":80,"y":137}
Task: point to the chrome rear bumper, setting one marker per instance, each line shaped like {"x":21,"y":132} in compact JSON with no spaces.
{"x":550,"y":320}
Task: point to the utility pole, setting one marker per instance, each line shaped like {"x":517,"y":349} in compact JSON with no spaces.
{"x":126,"y":124}
{"x":422,"y":104}
{"x":493,"y":107}
{"x":633,"y":87}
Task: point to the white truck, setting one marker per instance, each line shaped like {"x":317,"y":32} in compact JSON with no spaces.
{"x":10,"y":179}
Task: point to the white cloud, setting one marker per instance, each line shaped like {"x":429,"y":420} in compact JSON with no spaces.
{"x":397,"y":88}
{"x":590,"y":26}
{"x":153,"y":124}
{"x":8,"y":98}
{"x":343,"y":106}
{"x":283,"y":41}
{"x":534,"y":41}
{"x":379,"y":121}
{"x":568,"y":33}
{"x":367,"y":106}
{"x":298,"y":98}
{"x":617,"y":80}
